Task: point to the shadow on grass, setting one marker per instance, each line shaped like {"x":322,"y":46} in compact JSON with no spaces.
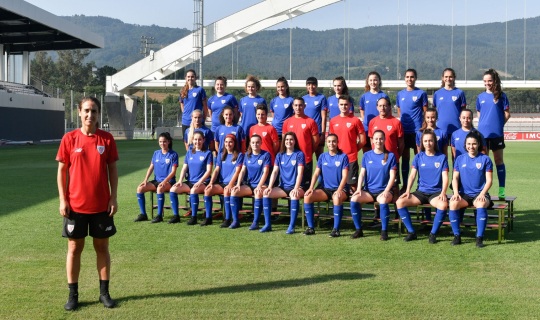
{"x":258,"y":286}
{"x":526,"y":225}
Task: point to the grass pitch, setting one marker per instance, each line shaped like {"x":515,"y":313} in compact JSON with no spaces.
{"x":191,"y":272}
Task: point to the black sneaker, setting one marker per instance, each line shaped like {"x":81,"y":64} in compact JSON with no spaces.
{"x":157,"y":219}
{"x":141,"y":217}
{"x":432,"y":238}
{"x":335,"y":233}
{"x":107,"y":301}
{"x":206,"y":222}
{"x":384,"y":235}
{"x":73,"y":302}
{"x":374,"y":224}
{"x":192,"y":221}
{"x":174,"y":219}
{"x":225,"y":224}
{"x":410,"y":236}
{"x":457,"y":240}
{"x":309,"y":232}
{"x":480,"y":242}
{"x":357,"y":234}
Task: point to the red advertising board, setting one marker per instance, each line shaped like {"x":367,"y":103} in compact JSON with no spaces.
{"x":522,"y":136}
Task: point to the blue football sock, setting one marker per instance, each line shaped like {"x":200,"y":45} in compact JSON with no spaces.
{"x":160,"y":203}
{"x":235,"y":207}
{"x":385,"y":216}
{"x":194,"y":201}
{"x":174,"y":202}
{"x":227,"y":207}
{"x":267,"y":210}
{"x":427,"y":213}
{"x":257,"y":208}
{"x":481,"y":221}
{"x":309,"y":209}
{"x":439,"y":218}
{"x":501,"y":174}
{"x":453,"y":216}
{"x":208,"y":206}
{"x":295,"y":205}
{"x":406,"y":218}
{"x":338,"y":214}
{"x":142,"y":202}
{"x":356,"y":213}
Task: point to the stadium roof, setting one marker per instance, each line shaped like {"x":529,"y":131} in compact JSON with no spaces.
{"x":25,"y":27}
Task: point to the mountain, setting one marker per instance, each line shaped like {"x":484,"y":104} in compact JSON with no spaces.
{"x":321,"y":53}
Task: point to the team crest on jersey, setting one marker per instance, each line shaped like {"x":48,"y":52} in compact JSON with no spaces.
{"x":337,"y":163}
{"x":255,"y":104}
{"x":437,"y":165}
{"x":382,"y":162}
{"x":478,"y":165}
{"x":223,"y":101}
{"x":293,"y":162}
{"x":264,"y":134}
{"x":167,"y":161}
{"x":194,"y":94}
{"x":438,"y":138}
{"x":286,"y":105}
{"x":233,"y":132}
{"x":201,"y":158}
{"x":388,"y":128}
{"x":349,"y":124}
{"x":316,"y":103}
{"x":233,"y":162}
{"x":100,"y":149}
{"x":70,"y":228}
{"x":303,"y":125}
{"x":259,"y":162}
{"x":414,"y":98}
{"x":454,"y":98}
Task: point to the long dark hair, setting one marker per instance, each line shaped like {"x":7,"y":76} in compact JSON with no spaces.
{"x":384,"y":145}
{"x":345,"y":90}
{"x":286,"y":84}
{"x":249,"y":150}
{"x":235,"y":149}
{"x":222,"y":120}
{"x":203,"y":146}
{"x":429,"y":132}
{"x":475,"y":135}
{"x":339,"y":151}
{"x":283,"y":149}
{"x":453,"y":74}
{"x":497,"y":90}
{"x":167,"y":136}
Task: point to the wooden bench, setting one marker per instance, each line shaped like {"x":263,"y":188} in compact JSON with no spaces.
{"x":499,"y":208}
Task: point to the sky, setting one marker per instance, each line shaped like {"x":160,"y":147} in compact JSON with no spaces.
{"x":343,"y":14}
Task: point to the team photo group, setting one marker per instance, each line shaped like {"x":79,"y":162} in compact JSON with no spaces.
{"x":315,"y":150}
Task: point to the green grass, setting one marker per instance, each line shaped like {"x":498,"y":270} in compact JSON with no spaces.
{"x":182,"y":272}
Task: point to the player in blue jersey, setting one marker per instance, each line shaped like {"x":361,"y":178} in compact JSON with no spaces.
{"x":432,"y":168}
{"x":473,"y":176}
{"x":375,"y":183}
{"x":340,"y":89}
{"x":289,"y":167}
{"x":252,"y":181}
{"x":449,"y":102}
{"x":164,"y":164}
{"x":249,"y":103}
{"x":220,"y":100}
{"x":368,"y":103}
{"x":316,"y":107}
{"x":229,"y":125}
{"x":458,"y":137}
{"x":493,"y":111}
{"x":281,"y":105}
{"x":430,"y":123}
{"x":227,"y":168}
{"x":411,"y":103}
{"x":197,"y":124}
{"x":192,"y":97}
{"x":332,"y":167}
{"x":198,"y":167}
